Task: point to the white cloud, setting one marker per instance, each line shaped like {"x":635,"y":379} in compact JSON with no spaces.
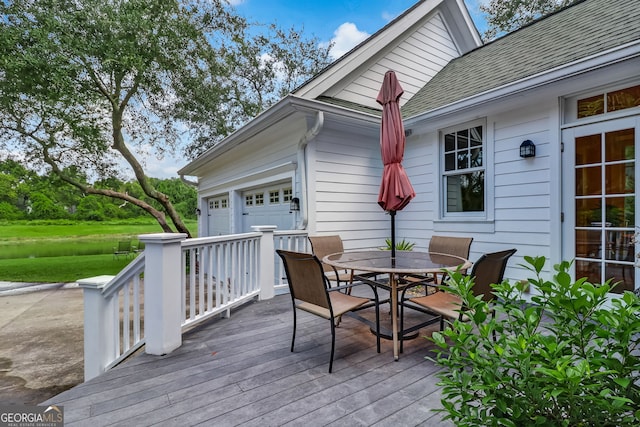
{"x":345,"y":38}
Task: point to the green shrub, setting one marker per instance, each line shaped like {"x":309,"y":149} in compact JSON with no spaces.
{"x":571,"y":357}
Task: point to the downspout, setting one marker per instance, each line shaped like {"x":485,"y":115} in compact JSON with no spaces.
{"x":302,"y":161}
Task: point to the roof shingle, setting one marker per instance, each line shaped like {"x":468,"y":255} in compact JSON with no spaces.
{"x":586,"y":28}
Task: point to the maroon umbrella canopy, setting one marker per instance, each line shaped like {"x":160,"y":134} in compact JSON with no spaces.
{"x":396,"y":190}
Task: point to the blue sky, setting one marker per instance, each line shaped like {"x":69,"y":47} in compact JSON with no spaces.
{"x":345,"y":22}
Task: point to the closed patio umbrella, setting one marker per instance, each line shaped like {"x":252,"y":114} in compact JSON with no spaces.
{"x":396,"y":190}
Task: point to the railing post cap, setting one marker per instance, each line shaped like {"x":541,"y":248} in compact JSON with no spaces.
{"x":162,"y":237}
{"x":264,"y":227}
{"x":96,"y":282}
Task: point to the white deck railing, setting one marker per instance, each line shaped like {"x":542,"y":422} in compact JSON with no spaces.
{"x":174,"y":284}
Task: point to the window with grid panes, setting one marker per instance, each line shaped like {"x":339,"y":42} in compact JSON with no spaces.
{"x":464,"y":171}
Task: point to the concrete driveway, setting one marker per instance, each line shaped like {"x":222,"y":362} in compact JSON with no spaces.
{"x":41,"y":341}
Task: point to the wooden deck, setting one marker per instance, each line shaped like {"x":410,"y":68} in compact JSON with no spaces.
{"x":240,"y":371}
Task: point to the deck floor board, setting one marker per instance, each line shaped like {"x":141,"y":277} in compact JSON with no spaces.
{"x":240,"y":371}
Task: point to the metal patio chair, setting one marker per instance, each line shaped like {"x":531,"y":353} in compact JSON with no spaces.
{"x":322,"y":246}
{"x":310,"y":291}
{"x":123,"y":249}
{"x":441,"y":305}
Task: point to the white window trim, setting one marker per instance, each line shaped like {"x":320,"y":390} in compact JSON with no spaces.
{"x":487,"y":157}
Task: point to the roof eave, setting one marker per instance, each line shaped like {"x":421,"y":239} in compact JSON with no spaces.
{"x":282,"y":109}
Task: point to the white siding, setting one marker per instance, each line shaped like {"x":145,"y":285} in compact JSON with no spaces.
{"x":348,"y":170}
{"x":519,"y":210}
{"x":415,"y":59}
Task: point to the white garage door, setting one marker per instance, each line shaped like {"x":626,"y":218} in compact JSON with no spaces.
{"x":219,"y":216}
{"x":267,"y":206}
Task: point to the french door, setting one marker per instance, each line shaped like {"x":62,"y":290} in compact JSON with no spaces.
{"x":600,"y":166}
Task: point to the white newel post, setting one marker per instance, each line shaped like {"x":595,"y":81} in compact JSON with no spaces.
{"x":99,"y":329}
{"x":162,"y":295}
{"x":266,"y":275}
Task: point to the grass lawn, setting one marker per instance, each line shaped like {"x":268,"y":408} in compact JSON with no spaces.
{"x":65,"y":251}
{"x":59,"y":269}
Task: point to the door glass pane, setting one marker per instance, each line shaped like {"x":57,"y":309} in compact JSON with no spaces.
{"x":619,"y":145}
{"x":589,"y":181}
{"x":588,"y":150}
{"x":588,"y":243}
{"x":588,"y":269}
{"x":620,"y":211}
{"x":623,"y":273}
{"x":619,"y":178}
{"x":605,"y":208}
{"x":588,"y":211}
{"x":620,"y":246}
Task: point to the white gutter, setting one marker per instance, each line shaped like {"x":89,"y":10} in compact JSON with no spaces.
{"x":302,"y":162}
{"x":188,"y":182}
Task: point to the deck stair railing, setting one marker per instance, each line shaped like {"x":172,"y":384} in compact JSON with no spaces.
{"x":174,"y":284}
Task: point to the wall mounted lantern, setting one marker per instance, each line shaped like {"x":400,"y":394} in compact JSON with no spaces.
{"x":198,"y":211}
{"x":294,"y":205}
{"x":527,"y":149}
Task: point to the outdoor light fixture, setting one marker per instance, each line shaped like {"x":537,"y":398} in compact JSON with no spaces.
{"x":198,"y":211}
{"x":294,"y":205}
{"x":527,"y":149}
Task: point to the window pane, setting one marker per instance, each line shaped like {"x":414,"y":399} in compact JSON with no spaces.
{"x":465,"y":193}
{"x":622,"y":99}
{"x":588,"y":150}
{"x":476,"y":136}
{"x":591,"y":106}
{"x":620,"y":245}
{"x":588,"y":244}
{"x":463,"y":160}
{"x":620,"y":145}
{"x":620,"y":178}
{"x":589,"y":181}
{"x":463,"y":139}
{"x":620,"y":211}
{"x":623,"y":273}
{"x":476,"y":157}
{"x":588,"y":211}
{"x":588,"y":269}
{"x":449,"y":142}
{"x":450,"y":162}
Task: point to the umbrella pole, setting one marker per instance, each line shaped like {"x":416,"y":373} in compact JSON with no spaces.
{"x":393,"y":234}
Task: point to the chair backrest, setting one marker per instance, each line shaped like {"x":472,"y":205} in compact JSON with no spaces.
{"x":326,"y":245}
{"x":458,"y":246}
{"x":489,"y":269}
{"x":305,"y":277}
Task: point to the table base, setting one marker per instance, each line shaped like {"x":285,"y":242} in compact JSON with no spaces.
{"x":388,"y":335}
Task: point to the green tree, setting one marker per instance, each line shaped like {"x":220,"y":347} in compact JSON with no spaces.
{"x":42,"y":207}
{"x":504,"y":16}
{"x":93,"y":83}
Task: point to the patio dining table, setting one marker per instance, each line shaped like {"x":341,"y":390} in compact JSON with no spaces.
{"x":404,"y":263}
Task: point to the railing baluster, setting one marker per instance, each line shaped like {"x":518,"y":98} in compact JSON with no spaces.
{"x":218,"y":273}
